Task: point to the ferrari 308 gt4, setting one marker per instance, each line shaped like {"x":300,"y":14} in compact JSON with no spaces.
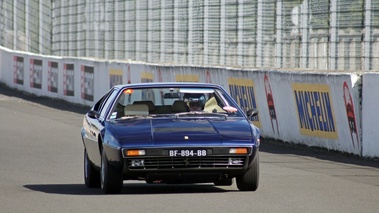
{"x":170,"y":133}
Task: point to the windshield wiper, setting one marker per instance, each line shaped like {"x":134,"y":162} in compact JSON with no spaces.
{"x":201,"y":113}
{"x":129,"y":117}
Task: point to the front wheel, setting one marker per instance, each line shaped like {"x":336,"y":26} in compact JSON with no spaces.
{"x":91,"y":175}
{"x":250,"y":180}
{"x":111,"y":177}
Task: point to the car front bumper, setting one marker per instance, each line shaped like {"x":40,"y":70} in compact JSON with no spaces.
{"x":156,"y":165}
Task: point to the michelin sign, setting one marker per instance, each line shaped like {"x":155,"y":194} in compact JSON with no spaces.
{"x":315,"y":110}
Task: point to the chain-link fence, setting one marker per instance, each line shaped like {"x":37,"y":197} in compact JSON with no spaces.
{"x":26,"y":25}
{"x":316,"y":34}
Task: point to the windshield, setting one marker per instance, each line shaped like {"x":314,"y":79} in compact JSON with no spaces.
{"x":158,"y":102}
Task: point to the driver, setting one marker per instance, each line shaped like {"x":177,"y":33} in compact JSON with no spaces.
{"x":195,"y":101}
{"x":195,"y":106}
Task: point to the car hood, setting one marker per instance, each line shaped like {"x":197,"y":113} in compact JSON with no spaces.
{"x":172,"y":131}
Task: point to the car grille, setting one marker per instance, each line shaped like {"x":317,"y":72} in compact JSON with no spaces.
{"x":188,"y":162}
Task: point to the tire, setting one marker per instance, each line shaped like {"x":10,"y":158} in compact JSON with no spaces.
{"x":250,"y":180}
{"x":91,"y":175}
{"x":111,"y":178}
{"x":224,"y":182}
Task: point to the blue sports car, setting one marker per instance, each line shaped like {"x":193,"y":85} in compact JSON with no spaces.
{"x":169,"y":133}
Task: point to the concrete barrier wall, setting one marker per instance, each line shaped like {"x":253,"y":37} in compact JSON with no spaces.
{"x":370,"y":115}
{"x":316,"y":108}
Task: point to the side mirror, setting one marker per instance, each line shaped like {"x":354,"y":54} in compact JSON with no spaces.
{"x":252,"y":112}
{"x":93,"y":114}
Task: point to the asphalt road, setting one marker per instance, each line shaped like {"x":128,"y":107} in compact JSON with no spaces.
{"x":41,"y":170}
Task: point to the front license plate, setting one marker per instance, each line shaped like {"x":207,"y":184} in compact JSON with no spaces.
{"x":187,"y":152}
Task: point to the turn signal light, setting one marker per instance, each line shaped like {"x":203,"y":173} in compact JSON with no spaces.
{"x":238,"y":151}
{"x":133,"y":152}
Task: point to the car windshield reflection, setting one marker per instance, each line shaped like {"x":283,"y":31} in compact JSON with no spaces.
{"x":166,"y":102}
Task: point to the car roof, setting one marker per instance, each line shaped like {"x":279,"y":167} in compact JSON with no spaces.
{"x":167,"y":84}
